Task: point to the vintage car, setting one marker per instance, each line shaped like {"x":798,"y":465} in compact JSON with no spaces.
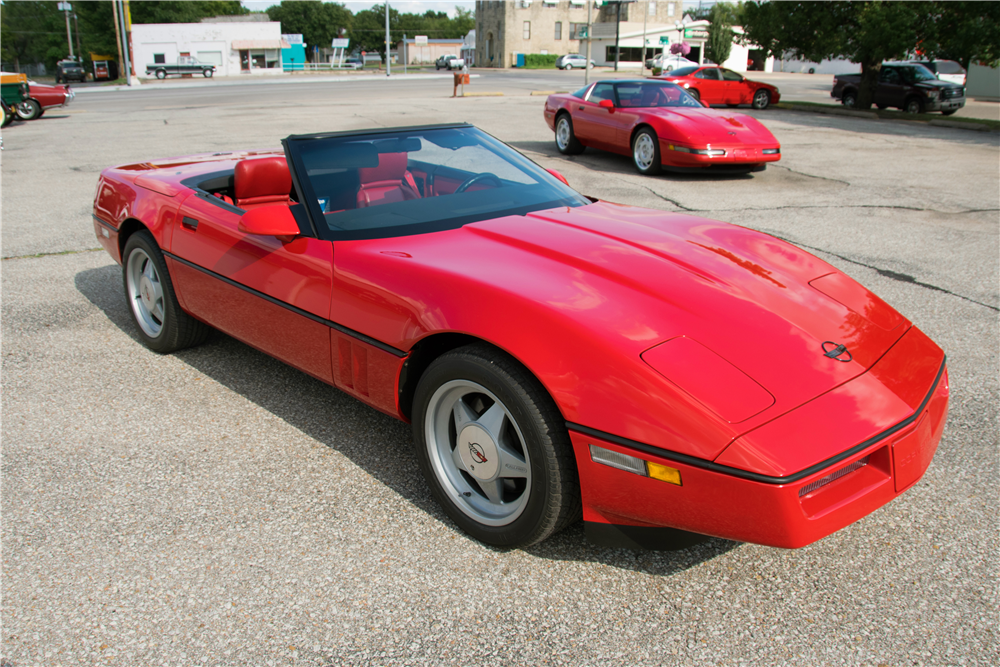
{"x":14,"y":90}
{"x":185,"y":65}
{"x":717,"y":85}
{"x":558,"y":356}
{"x":42,"y":97}
{"x":660,"y":126}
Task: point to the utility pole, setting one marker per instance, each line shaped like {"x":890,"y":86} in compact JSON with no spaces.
{"x":76,"y":26}
{"x":618,"y":25}
{"x":404,"y":53}
{"x":118,"y":35}
{"x":65,"y":8}
{"x":645,"y":17}
{"x":590,"y":27}
{"x":387,"y":64}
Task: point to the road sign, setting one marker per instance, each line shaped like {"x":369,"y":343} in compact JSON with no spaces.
{"x":582,"y":32}
{"x":340,"y":43}
{"x":420,"y":39}
{"x":664,"y":39}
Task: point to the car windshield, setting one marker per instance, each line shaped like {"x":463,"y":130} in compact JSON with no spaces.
{"x":685,"y":71}
{"x":417,"y":180}
{"x":916,"y":73}
{"x":654,"y":94}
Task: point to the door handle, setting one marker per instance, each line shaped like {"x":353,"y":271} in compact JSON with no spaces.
{"x":190,"y":223}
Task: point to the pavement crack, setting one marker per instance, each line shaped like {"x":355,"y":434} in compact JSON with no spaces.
{"x":802,"y":173}
{"x":893,"y":275}
{"x":666,"y":199}
{"x":51,"y":254}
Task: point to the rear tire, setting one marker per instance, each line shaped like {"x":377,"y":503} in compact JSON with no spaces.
{"x":207,"y":73}
{"x":494,"y":449}
{"x":568,"y":66}
{"x":161,"y":74}
{"x":566,"y":140}
{"x":28,"y":110}
{"x":693,"y":92}
{"x":162,"y":325}
{"x":850,"y":99}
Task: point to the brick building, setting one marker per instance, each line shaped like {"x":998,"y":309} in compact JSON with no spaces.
{"x":505,"y":29}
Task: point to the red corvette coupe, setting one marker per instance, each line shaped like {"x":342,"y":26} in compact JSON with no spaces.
{"x":660,"y":126}
{"x":718,"y":85}
{"x":558,"y":356}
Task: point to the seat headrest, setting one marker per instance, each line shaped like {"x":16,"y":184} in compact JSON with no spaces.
{"x":262,"y":178}
{"x":391,"y":167}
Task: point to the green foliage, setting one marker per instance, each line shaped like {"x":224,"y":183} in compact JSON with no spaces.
{"x":720,"y":33}
{"x":368,"y":29}
{"x":962,"y":31}
{"x":863,"y":32}
{"x":33,"y":32}
{"x":179,"y":11}
{"x":540,"y":61}
{"x":319,"y":23}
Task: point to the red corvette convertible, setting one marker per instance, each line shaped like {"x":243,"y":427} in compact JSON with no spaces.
{"x":659,"y":125}
{"x":718,"y":85}
{"x":559,"y":357}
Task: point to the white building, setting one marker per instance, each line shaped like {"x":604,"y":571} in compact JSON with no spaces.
{"x":233,"y":47}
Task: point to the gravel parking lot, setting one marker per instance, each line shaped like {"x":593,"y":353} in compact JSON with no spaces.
{"x":215,"y":507}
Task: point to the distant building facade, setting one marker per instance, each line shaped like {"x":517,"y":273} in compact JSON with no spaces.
{"x":428,"y":52}
{"x":234,"y":47}
{"x":505,"y":29}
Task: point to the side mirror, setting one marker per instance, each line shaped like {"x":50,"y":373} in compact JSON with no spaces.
{"x":607,"y":104}
{"x":558,"y":175}
{"x":276,"y":220}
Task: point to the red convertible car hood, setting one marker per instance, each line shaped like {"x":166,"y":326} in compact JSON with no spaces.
{"x":713,"y":126}
{"x":639,"y":278}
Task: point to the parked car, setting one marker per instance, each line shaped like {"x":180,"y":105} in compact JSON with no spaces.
{"x":946,"y":70}
{"x":658,"y":124}
{"x":14,"y":91}
{"x":70,"y":70}
{"x":42,"y":97}
{"x":444,"y":62}
{"x":906,"y":86}
{"x":354,"y":62}
{"x":669,"y":62}
{"x":572,"y":60}
{"x":184,"y":65}
{"x":718,"y":85}
{"x":558,"y":357}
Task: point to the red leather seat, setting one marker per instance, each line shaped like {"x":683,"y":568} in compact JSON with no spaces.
{"x":262,"y":182}
{"x":388,"y":182}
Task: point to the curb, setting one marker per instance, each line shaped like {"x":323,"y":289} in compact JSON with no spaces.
{"x":549,"y":92}
{"x":260,"y":81}
{"x":976,"y":127}
{"x":482,"y":95}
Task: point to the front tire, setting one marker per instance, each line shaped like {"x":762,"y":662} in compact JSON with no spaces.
{"x":568,"y":66}
{"x":761,"y":99}
{"x":494,"y":449}
{"x":646,"y":152}
{"x":163,"y":326}
{"x":913,"y":105}
{"x":28,"y":110}
{"x":566,"y":140}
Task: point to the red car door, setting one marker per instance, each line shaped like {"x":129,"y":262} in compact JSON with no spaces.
{"x":593,"y":124}
{"x":710,"y":85}
{"x":271,"y":294}
{"x":736,"y":89}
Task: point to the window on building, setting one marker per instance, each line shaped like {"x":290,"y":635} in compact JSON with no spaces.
{"x":550,"y":3}
{"x":527,"y":29}
{"x":160,"y":58}
{"x":575,"y":29}
{"x":670,"y":9}
{"x":266,"y":58}
{"x":652,"y":8}
{"x":558,"y":34}
{"x":626,"y":54}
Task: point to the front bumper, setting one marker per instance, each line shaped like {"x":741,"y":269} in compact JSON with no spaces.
{"x":790,"y":511}
{"x":736,"y":154}
{"x":944,"y":105}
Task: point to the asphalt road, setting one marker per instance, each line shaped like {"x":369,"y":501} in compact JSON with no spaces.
{"x":215,"y":507}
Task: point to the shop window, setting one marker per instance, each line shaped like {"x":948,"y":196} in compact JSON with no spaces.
{"x":527,"y":29}
{"x":575,"y":29}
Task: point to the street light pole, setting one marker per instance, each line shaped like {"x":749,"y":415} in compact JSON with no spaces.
{"x":586,"y":65}
{"x":66,"y":8}
{"x":387,"y":64}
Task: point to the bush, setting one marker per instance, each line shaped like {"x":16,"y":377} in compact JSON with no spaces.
{"x":657,"y":71}
{"x":539,"y":61}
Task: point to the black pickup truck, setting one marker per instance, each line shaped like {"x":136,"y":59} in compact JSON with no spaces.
{"x":184,"y":65}
{"x":907,"y":86}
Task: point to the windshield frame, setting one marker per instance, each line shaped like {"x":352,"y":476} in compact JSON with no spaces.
{"x":563,"y":195}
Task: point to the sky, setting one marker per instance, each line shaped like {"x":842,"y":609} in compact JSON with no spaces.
{"x":404,"y":6}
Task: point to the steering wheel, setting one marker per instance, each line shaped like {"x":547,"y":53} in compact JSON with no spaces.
{"x":477,"y":178}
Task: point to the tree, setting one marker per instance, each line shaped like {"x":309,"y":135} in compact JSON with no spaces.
{"x":319,"y":23}
{"x":368,"y":29}
{"x":178,"y":11}
{"x":962,"y":31}
{"x":867,"y":33}
{"x":33,"y":32}
{"x":720,"y":33}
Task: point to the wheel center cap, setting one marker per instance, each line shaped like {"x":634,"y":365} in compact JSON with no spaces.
{"x":479,"y":452}
{"x":146,"y":291}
